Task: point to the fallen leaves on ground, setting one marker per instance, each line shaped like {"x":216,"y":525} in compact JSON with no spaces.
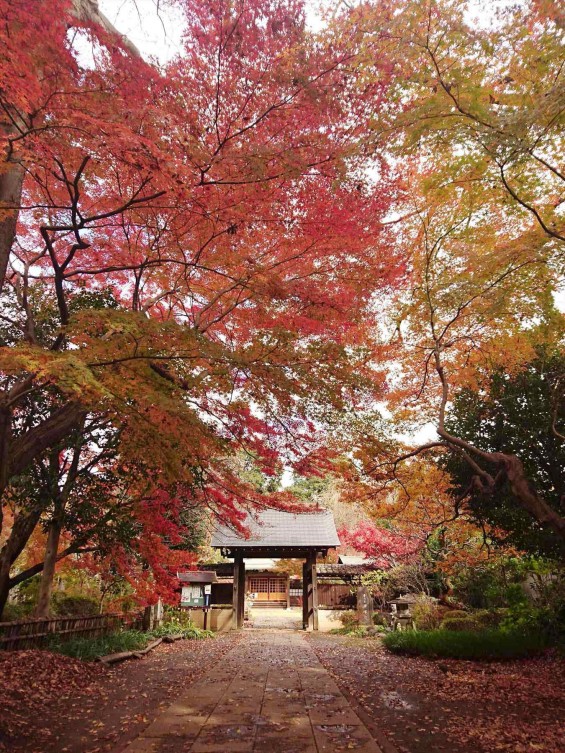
{"x":55,"y":704}
{"x":449,"y":705}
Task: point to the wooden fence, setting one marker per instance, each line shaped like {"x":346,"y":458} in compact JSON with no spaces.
{"x":35,"y":633}
{"x":335,"y":595}
{"x":330,"y":596}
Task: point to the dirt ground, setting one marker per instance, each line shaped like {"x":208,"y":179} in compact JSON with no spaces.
{"x":426,"y":706}
{"x":52,"y":704}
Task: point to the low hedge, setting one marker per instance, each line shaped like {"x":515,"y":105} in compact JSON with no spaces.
{"x":467,"y":624}
{"x":448,"y":644}
{"x":74,"y":606}
{"x":89,"y":649}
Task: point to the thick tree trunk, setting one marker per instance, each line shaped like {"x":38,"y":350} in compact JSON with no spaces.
{"x":89,"y":11}
{"x":31,"y":445}
{"x":528,"y":497}
{"x":11,"y":182}
{"x":22,"y":529}
{"x":48,"y":573}
{"x":5,"y":434}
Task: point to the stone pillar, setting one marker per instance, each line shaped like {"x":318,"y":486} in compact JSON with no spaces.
{"x":364,"y":607}
{"x":153,"y":616}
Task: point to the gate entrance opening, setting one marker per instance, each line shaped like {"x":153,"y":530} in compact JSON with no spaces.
{"x":268,"y":588}
{"x":284,"y":535}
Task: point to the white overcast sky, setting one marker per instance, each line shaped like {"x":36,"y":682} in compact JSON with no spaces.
{"x":156,"y":31}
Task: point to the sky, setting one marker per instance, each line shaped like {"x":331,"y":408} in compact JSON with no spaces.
{"x":159,"y":33}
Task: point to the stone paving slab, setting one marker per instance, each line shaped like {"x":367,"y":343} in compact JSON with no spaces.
{"x":270,"y":695}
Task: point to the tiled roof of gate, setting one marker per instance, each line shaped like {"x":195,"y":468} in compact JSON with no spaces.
{"x":277,"y":528}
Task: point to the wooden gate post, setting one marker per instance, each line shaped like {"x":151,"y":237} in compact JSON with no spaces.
{"x":305,"y":589}
{"x":309,"y":593}
{"x":237,"y":566}
{"x":241,"y":595}
{"x":314,"y":598}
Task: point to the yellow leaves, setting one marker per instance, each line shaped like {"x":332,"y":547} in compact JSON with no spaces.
{"x":66,"y":371}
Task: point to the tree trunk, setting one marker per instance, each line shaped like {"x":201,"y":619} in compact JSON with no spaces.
{"x":88,"y":10}
{"x":528,"y":497}
{"x":11,"y":182}
{"x":22,"y":529}
{"x":24,"y":449}
{"x":48,"y":573}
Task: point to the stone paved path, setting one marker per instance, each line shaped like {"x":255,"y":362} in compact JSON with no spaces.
{"x":269,"y":694}
{"x":283,"y":619}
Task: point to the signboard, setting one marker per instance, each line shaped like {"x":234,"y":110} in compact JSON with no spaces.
{"x":192,"y":596}
{"x":208,"y":589}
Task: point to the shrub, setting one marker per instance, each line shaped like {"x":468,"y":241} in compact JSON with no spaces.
{"x":460,"y":623}
{"x":381,"y":619}
{"x":496,"y":584}
{"x":178,"y":616}
{"x":543,"y":620}
{"x":488,"y":617}
{"x":445,"y":644}
{"x":14,"y":612}
{"x":173,"y":628}
{"x":426,"y":613}
{"x":455,"y":613}
{"x":354,"y":631}
{"x":73,"y":606}
{"x":349,"y":619}
{"x":194,"y":633}
{"x":89,"y":649}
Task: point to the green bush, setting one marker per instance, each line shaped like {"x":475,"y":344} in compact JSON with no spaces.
{"x":89,"y":649}
{"x":178,"y":616}
{"x":14,"y":612}
{"x":194,"y":633}
{"x":426,"y":613}
{"x":381,"y":619}
{"x":63,"y":605}
{"x":543,"y":620}
{"x":460,"y":623}
{"x":492,"y":585}
{"x":354,"y":631}
{"x":92,"y":648}
{"x":488,"y":618}
{"x":173,"y":628}
{"x":447,"y":644}
{"x":454,"y":613}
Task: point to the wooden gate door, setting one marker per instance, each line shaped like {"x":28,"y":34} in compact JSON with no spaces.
{"x":259,"y":586}
{"x":277,"y":589}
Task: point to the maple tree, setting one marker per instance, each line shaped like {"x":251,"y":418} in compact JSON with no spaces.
{"x":224,"y":211}
{"x":475,"y":122}
{"x":385,"y":548}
